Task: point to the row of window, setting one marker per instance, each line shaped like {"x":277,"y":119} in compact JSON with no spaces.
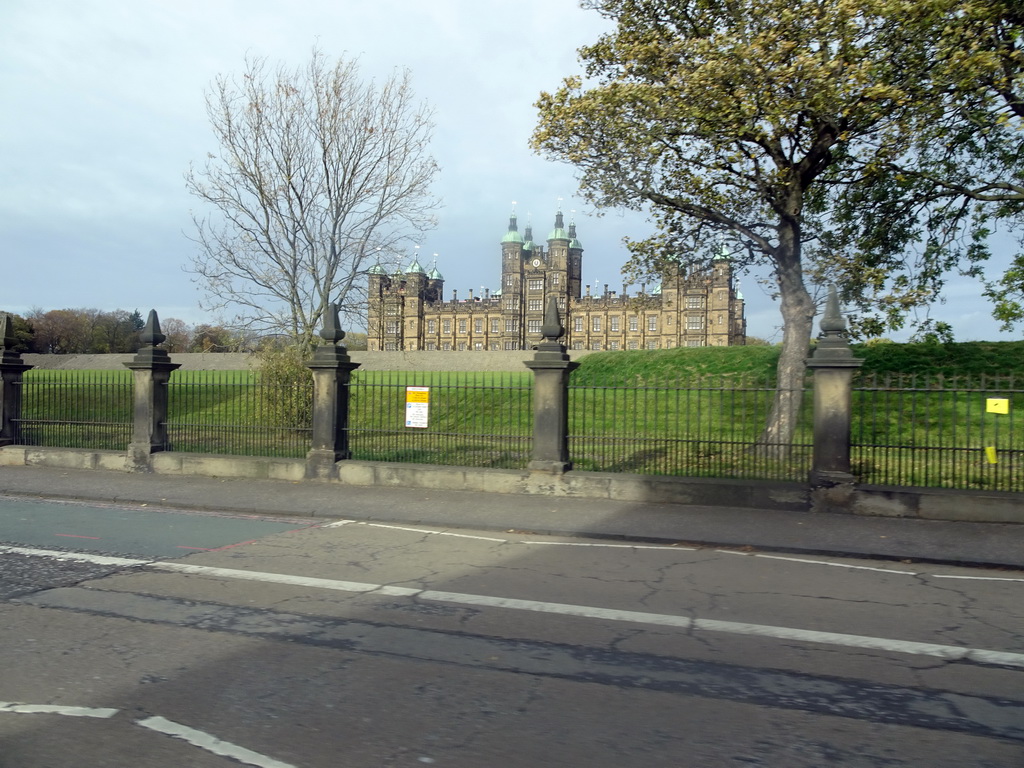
{"x":535,"y":283}
{"x":495,"y":346}
{"x":695,"y":323}
{"x":613,"y":323}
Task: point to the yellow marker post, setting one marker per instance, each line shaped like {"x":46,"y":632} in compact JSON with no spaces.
{"x":990,"y":454}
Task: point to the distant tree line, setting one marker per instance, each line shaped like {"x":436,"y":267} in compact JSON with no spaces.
{"x":94,"y":332}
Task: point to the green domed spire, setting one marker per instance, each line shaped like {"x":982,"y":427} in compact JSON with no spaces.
{"x":559,"y":233}
{"x":573,"y":242}
{"x":512,"y":236}
{"x":434,"y":274}
{"x":528,"y":243}
{"x":415,"y":268}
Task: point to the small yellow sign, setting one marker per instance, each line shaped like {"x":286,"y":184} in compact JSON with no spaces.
{"x":997,"y":405}
{"x":417,"y":395}
{"x":417,"y":407}
{"x":990,"y":454}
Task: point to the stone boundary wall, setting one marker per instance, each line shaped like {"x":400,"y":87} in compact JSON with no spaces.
{"x":869,"y":501}
{"x":369,"y":361}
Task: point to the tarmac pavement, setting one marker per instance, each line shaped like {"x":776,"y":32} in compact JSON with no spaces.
{"x":905,"y":539}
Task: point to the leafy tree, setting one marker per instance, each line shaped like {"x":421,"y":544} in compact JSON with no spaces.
{"x":743,"y":124}
{"x":178,"y":333}
{"x":317,"y":177}
{"x":116,"y":331}
{"x":963,"y":172}
{"x":215,"y":338}
{"x":63,"y":331}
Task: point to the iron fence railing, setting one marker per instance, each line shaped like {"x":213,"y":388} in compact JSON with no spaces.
{"x":472,"y":419}
{"x":75,"y":409}
{"x":707,"y":428}
{"x":234,"y":412}
{"x":942,"y":432}
{"x":906,"y":431}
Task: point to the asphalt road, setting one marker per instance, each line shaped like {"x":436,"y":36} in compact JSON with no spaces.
{"x":352,"y":644}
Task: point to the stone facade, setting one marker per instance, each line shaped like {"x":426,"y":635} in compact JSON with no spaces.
{"x":407,"y":311}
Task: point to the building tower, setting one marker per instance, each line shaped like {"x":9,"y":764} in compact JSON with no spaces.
{"x":512,"y":285}
{"x":721,"y":324}
{"x":412,"y":315}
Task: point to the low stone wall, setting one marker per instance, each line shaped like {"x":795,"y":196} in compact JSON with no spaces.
{"x":925,"y":503}
{"x":368,"y":361}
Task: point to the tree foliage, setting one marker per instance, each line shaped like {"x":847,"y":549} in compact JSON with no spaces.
{"x":775,"y":128}
{"x":84,"y":331}
{"x":728,"y":119}
{"x":959,"y":174}
{"x":318,"y":175}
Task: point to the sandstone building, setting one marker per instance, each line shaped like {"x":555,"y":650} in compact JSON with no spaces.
{"x":407,"y":310}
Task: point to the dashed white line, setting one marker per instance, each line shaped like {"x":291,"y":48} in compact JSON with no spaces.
{"x":602,"y":545}
{"x":54,"y":709}
{"x":80,"y":557}
{"x":948,"y":652}
{"x":833,"y":565}
{"x":210,"y":743}
{"x":422,"y":531}
{"x":196,"y":738}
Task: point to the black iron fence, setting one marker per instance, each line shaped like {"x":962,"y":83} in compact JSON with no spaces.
{"x":235,"y":412}
{"x":74,"y":409}
{"x":463,"y":419}
{"x":938,"y":432}
{"x":906,"y":431}
{"x":706,"y":428}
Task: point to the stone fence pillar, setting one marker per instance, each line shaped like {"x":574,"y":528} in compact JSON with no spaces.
{"x":152,"y":369}
{"x":11,"y":369}
{"x":551,"y":367}
{"x":833,"y":365}
{"x":332,"y":373}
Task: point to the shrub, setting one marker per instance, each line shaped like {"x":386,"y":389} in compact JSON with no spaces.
{"x":287,"y":386}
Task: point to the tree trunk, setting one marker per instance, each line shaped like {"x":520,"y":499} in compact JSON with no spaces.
{"x":797,"y":317}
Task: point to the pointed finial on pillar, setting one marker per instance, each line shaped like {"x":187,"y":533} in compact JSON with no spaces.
{"x":832,"y":345}
{"x":151,"y":335}
{"x":7,"y":343}
{"x":333,"y":352}
{"x":552,"y":329}
{"x":331,"y":332}
{"x":6,"y":332}
{"x":832,"y":322}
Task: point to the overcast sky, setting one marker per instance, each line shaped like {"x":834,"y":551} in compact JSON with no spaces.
{"x":101,"y":112}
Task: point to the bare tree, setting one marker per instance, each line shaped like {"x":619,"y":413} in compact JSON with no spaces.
{"x":319,"y":175}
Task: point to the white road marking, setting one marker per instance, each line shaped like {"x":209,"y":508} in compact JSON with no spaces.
{"x":834,"y":565}
{"x":422,"y":531}
{"x":160,"y":725}
{"x":611,"y":546}
{"x":53,"y":709}
{"x":667,"y":547}
{"x":80,"y":557}
{"x":210,"y":743}
{"x":948,"y":652}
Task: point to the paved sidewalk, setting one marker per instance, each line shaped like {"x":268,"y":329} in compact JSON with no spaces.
{"x":964,"y":543}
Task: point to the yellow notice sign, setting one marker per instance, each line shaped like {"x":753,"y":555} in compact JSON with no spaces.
{"x":990,"y":454}
{"x":997,"y":405}
{"x":417,"y":407}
